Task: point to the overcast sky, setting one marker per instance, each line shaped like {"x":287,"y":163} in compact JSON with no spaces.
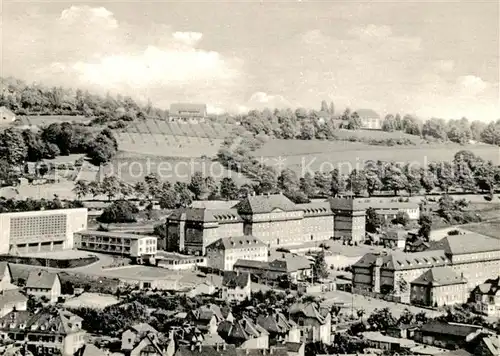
{"x":426,"y":58}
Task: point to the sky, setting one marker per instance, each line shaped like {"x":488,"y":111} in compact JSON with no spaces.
{"x":426,"y":58}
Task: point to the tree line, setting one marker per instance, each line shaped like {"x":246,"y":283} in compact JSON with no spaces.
{"x":18,"y":146}
{"x":16,"y":206}
{"x":25,"y":99}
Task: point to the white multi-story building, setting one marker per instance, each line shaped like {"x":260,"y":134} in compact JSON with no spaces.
{"x":223,"y":253}
{"x":139,"y":247}
{"x":236,"y":287}
{"x":40,"y":231}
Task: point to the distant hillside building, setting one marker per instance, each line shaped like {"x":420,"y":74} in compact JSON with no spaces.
{"x":188,"y":113}
{"x":6,"y":116}
{"x":370,"y":120}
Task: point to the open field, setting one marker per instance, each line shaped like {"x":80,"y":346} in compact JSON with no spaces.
{"x":376,"y":135}
{"x":356,"y":301}
{"x":167,"y":145}
{"x":91,"y":300}
{"x":489,"y":228}
{"x":134,"y":167}
{"x":207,"y":130}
{"x":307,"y":156}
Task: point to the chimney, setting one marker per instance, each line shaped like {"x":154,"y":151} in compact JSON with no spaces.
{"x":199,"y":347}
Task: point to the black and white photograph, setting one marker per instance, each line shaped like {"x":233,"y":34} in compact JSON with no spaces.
{"x":249,"y":178}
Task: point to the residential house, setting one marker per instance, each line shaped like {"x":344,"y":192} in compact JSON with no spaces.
{"x":44,"y":284}
{"x":205,"y":350}
{"x":487,"y":297}
{"x":134,"y":334}
{"x":206,"y":318}
{"x":47,"y":332}
{"x":439,"y":286}
{"x":236,"y":286}
{"x":387,"y":343}
{"x":314,"y":322}
{"x":394,"y":239}
{"x":404,"y":331}
{"x":148,"y":346}
{"x":280,"y":328}
{"x":223,"y":253}
{"x":369,"y":119}
{"x":446,"y":335}
{"x":244,"y":334}
{"x":12,"y":299}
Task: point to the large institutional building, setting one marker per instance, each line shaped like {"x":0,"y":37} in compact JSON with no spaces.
{"x":470,"y":258}
{"x":40,"y":231}
{"x":276,"y":221}
{"x":272,"y":219}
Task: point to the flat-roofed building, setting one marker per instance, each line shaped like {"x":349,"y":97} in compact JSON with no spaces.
{"x":40,"y":231}
{"x":223,"y":253}
{"x":177,"y":261}
{"x":139,"y":247}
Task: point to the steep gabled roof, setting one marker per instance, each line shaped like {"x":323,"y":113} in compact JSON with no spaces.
{"x":467,"y":242}
{"x":490,"y":286}
{"x":232,"y":279}
{"x":236,"y":242}
{"x":41,"y":279}
{"x":261,"y":204}
{"x":291,"y":262}
{"x":4,"y":266}
{"x":405,"y":261}
{"x":367,"y":113}
{"x":11,"y":296}
{"x":274,"y":323}
{"x":143,"y":328}
{"x":206,"y":215}
{"x":90,"y":350}
{"x":439,"y":276}
{"x":243,"y":329}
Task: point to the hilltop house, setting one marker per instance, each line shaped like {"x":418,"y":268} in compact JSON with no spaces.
{"x":370,"y":120}
{"x":236,"y":286}
{"x":44,"y":284}
{"x":47,"y":332}
{"x":188,"y":113}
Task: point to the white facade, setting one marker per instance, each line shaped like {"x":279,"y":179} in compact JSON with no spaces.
{"x":224,"y":259}
{"x":39,"y":231}
{"x":136,"y":246}
{"x":237,"y":294}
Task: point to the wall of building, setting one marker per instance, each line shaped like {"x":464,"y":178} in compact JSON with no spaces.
{"x":476,"y":272}
{"x":34,"y":231}
{"x":317,"y":228}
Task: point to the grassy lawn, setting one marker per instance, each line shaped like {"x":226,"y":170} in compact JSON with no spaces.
{"x":489,"y":228}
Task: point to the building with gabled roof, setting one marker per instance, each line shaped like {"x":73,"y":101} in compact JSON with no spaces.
{"x":90,"y":350}
{"x":486,"y":296}
{"x":236,"y":286}
{"x":188,"y":112}
{"x":223,"y":253}
{"x":48,"y":331}
{"x":6,"y":277}
{"x":370,"y":119}
{"x":244,"y":334}
{"x":46,"y":284}
{"x":280,"y":328}
{"x":12,"y":299}
{"x":439,"y":286}
{"x":148,"y":345}
{"x":314,"y":322}
{"x":446,"y":335}
{"x":134,"y":334}
{"x":191,"y":230}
